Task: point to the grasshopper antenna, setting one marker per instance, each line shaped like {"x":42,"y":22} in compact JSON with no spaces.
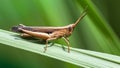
{"x":81,"y":17}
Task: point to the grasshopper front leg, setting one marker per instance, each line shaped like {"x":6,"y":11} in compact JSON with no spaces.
{"x":67,"y":41}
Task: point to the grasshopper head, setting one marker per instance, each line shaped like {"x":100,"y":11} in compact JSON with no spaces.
{"x":71,"y":28}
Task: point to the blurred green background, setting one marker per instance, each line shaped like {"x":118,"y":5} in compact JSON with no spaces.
{"x":98,"y":31}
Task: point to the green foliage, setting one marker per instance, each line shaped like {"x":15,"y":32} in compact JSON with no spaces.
{"x":94,"y":32}
{"x":79,"y":57}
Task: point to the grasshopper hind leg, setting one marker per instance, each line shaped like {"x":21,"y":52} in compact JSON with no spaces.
{"x":25,"y":35}
{"x":49,"y":39}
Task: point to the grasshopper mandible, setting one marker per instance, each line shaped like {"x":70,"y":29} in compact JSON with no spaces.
{"x":48,"y":33}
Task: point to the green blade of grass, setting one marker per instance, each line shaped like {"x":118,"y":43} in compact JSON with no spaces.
{"x":97,"y":32}
{"x":79,"y":57}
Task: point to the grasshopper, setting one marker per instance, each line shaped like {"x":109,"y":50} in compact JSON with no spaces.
{"x":48,"y":33}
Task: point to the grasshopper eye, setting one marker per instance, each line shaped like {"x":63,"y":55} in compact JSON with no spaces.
{"x":70,"y":29}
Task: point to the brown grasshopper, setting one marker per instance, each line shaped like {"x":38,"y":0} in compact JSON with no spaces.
{"x":48,"y":33}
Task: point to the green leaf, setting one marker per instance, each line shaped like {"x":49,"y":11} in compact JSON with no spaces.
{"x":79,"y":57}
